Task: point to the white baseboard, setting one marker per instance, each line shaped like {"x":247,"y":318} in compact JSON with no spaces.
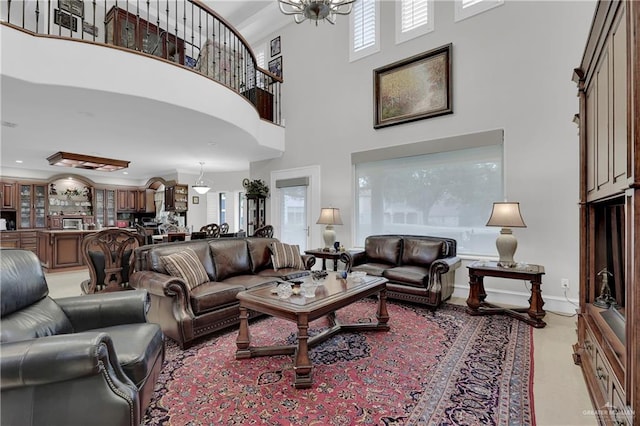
{"x":517,"y":298}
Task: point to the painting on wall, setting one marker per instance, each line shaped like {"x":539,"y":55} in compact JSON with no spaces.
{"x":75,"y":7}
{"x":275,"y":46}
{"x":65,"y":20}
{"x":413,"y":89}
{"x":275,"y":66}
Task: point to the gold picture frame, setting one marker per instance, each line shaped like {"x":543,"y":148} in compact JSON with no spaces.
{"x":413,"y":89}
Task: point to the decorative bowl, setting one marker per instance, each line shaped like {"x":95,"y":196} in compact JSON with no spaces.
{"x":309,"y":288}
{"x":357,"y":275}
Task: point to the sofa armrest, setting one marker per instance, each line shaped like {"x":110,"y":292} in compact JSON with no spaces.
{"x":105,"y":310}
{"x":440,"y":267}
{"x":358,"y":258}
{"x":347,"y":258}
{"x":164,"y":286}
{"x":59,"y":358}
{"x":309,"y":260}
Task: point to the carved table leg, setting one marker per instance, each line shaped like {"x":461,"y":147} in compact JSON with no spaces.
{"x":302,"y":366}
{"x":244,"y":339}
{"x":476,"y":293}
{"x":536,"y":303}
{"x":382,"y":315}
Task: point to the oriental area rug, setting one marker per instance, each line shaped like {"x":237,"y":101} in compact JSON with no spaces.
{"x":432,"y":368}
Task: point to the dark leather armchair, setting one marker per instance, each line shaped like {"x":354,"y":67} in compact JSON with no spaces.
{"x":82,"y":360}
{"x":108,"y":255}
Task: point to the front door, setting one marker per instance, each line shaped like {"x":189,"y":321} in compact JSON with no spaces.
{"x":294,"y":223}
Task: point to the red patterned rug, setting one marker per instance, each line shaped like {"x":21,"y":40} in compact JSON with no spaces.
{"x":443,"y":367}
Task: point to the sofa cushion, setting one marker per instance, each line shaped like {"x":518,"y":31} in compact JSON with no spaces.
{"x":230,"y":257}
{"x":200,"y":247}
{"x":411,"y":275}
{"x":249,"y":281}
{"x":259,"y":253}
{"x":185,"y":265}
{"x":375,"y":269}
{"x":285,"y":256}
{"x":418,"y":251}
{"x":383,"y":249}
{"x":213,"y":295}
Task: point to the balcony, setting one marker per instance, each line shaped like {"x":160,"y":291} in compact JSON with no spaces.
{"x":119,"y":67}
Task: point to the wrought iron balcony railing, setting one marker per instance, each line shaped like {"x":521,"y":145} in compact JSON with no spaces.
{"x":185,"y":33}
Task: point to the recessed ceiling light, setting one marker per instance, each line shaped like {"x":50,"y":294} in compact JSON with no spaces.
{"x":19,"y":161}
{"x":125,"y":173}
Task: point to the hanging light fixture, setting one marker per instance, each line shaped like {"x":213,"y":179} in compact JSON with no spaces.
{"x":315,"y":9}
{"x":200,"y":187}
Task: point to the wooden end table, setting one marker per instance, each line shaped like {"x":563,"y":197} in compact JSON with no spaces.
{"x":476,"y":304}
{"x":324,"y":255}
{"x":333,"y":294}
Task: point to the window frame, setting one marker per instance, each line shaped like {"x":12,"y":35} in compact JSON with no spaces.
{"x":370,"y":50}
{"x":477,"y":8}
{"x":418,"y":31}
{"x":485,"y":139}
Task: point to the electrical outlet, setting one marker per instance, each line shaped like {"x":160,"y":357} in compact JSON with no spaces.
{"x":564,"y":282}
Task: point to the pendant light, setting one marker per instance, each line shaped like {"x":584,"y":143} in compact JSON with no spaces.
{"x":200,"y":187}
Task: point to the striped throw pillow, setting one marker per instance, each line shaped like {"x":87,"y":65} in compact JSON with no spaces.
{"x":186,"y":265}
{"x":285,"y":256}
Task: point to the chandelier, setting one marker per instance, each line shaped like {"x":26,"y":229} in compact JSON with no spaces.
{"x":201,"y":187}
{"x":315,"y":9}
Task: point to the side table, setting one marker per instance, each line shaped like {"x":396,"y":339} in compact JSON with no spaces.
{"x":324,"y":255}
{"x":476,"y":304}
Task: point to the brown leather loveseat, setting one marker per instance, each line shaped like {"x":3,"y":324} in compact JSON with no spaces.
{"x":419,"y":268}
{"x":206,"y":301}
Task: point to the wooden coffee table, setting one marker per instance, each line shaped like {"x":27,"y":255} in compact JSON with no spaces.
{"x":333,"y":294}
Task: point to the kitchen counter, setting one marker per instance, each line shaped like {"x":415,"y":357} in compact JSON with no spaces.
{"x":61,"y":248}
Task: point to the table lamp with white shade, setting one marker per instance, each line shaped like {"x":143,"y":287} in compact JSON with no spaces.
{"x":329,"y":216}
{"x":506,"y":215}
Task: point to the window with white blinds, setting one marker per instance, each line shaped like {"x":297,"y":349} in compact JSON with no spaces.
{"x":364,"y":26}
{"x":467,"y":8}
{"x":413,"y":18}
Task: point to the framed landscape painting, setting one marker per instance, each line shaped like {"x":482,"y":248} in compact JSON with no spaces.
{"x":413,"y":89}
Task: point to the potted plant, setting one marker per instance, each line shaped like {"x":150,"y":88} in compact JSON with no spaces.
{"x":256,"y":187}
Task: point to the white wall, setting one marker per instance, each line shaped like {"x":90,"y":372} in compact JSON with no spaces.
{"x":512,"y":70}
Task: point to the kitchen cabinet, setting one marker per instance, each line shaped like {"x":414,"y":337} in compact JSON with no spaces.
{"x":60,"y":249}
{"x":176,"y":198}
{"x":8,"y":196}
{"x":128,"y":30}
{"x":104,"y":207}
{"x":32,"y":206}
{"x":146,"y":201}
{"x":127,"y":199}
{"x":10,"y":239}
{"x":55,"y":222}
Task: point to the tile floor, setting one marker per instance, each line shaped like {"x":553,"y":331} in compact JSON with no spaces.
{"x":560,"y":394}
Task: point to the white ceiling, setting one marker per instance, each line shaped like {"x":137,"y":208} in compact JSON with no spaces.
{"x":157,"y":142}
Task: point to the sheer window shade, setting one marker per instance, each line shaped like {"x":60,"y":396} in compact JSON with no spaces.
{"x":440,"y":193}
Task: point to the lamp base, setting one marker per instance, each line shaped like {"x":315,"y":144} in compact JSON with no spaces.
{"x":506,"y":244}
{"x":329,"y":236}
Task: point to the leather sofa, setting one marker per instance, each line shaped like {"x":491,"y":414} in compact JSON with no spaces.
{"x":420,"y":269}
{"x":85,"y":360}
{"x":231,"y":264}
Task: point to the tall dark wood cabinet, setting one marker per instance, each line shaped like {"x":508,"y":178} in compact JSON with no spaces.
{"x":256,"y":216}
{"x":609,"y":315}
